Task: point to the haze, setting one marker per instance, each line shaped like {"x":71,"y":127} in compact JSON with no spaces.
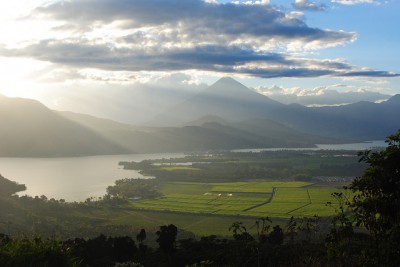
{"x":132,"y":60}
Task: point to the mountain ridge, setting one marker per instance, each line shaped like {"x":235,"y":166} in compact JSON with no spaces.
{"x":244,"y":119}
{"x":32,"y":130}
{"x":226,"y":98}
{"x":232,"y":101}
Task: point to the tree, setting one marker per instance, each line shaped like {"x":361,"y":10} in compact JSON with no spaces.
{"x":263,"y":227}
{"x":276,"y":236}
{"x":167,"y":237}
{"x":141,"y":236}
{"x":134,"y":188}
{"x":376,"y":202}
{"x":240,"y":231}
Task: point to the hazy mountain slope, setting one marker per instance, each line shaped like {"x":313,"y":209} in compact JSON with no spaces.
{"x":102,"y":125}
{"x":131,"y":103}
{"x":226,"y":98}
{"x":206,"y":119}
{"x":362,"y":120}
{"x":30,"y":129}
{"x":135,"y":138}
{"x":282,"y":134}
{"x":208,"y":136}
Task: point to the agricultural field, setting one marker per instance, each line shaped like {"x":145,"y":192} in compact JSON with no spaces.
{"x":250,"y":199}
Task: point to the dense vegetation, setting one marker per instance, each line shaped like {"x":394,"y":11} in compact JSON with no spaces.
{"x":133,"y":189}
{"x":238,"y":166}
{"x":7,"y":187}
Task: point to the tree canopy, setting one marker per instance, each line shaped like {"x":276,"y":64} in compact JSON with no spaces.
{"x":377,"y":198}
{"x":8,"y":188}
{"x":376,"y":201}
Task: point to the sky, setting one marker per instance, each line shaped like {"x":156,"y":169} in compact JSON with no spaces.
{"x":51,"y":50}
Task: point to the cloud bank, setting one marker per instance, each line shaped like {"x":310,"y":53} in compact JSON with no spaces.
{"x":354,"y":2}
{"x":322,"y":96}
{"x":252,"y":38}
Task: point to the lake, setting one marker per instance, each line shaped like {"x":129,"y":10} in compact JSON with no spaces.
{"x":354,"y":146}
{"x":73,"y":179}
{"x":77,"y":178}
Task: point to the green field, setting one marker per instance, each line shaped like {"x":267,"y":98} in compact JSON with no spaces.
{"x":250,"y":199}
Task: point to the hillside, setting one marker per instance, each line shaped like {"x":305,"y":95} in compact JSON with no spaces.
{"x":29,"y":129}
{"x":208,"y":135}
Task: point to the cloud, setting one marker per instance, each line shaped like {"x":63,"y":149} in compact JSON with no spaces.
{"x":191,"y":22}
{"x":354,"y":2}
{"x":213,"y":58}
{"x":320,"y":96}
{"x":262,"y":2}
{"x":368,"y":73}
{"x":170,"y":36}
{"x":307,"y":5}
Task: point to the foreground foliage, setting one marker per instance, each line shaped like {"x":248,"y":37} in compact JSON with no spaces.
{"x":376,"y":204}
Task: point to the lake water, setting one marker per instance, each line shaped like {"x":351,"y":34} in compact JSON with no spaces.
{"x":73,"y":179}
{"x":354,"y":146}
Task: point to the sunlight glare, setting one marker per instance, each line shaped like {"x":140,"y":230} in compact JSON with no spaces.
{"x":17,"y":76}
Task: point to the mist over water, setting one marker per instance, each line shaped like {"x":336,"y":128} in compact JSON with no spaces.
{"x":74,"y":178}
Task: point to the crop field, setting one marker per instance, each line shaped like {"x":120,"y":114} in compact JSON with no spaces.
{"x":251,"y":199}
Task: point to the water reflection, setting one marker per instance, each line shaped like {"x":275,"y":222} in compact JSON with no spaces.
{"x":73,"y":179}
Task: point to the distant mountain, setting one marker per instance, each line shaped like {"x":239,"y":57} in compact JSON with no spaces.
{"x":207,"y":119}
{"x":227,"y":115}
{"x":328,"y":97}
{"x":209,"y":135}
{"x":29,"y":129}
{"x":227,"y":99}
{"x":362,"y":120}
